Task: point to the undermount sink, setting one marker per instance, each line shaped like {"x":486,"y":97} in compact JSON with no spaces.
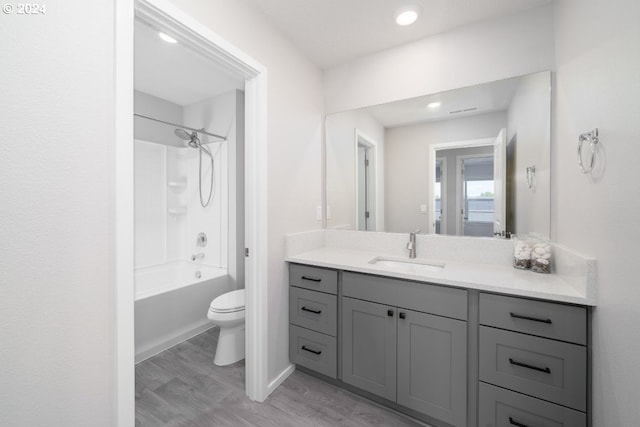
{"x":412,"y":266}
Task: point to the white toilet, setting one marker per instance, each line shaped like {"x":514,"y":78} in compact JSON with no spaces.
{"x":227,"y":311}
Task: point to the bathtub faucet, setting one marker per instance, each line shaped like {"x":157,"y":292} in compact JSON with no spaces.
{"x":197,"y":257}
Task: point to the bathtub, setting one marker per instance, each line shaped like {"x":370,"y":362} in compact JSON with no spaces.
{"x":171,"y":303}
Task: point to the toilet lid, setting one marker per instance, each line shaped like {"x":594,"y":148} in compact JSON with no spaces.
{"x":230,"y":301}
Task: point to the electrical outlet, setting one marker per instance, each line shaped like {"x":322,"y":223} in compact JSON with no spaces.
{"x":319,"y":213}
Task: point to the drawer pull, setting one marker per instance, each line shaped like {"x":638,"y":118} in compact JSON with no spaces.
{"x":525,"y":365}
{"x":310,"y":310}
{"x":311,"y":279}
{"x":402,"y":315}
{"x":515,"y":423}
{"x":390,"y":313}
{"x":316,"y":352}
{"x":533,"y":319}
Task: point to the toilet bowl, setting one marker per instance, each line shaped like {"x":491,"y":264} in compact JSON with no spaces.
{"x":227,"y":311}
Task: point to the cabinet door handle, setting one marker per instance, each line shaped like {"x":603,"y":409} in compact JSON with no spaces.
{"x":526,"y":365}
{"x":390,"y":313}
{"x":402,"y":315}
{"x":515,"y":423}
{"x":533,"y":319}
{"x":316,"y":352}
{"x":310,"y":310}
{"x":311,"y":279}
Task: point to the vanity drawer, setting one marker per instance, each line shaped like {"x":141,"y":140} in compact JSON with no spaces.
{"x":432,"y":299}
{"x":313,"y":350}
{"x":550,"y":370}
{"x":546,"y":319}
{"x":314,"y":278}
{"x":313,"y":310}
{"x":503,"y":408}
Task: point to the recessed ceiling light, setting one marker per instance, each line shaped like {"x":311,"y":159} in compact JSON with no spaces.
{"x":167,"y":38}
{"x":434,"y":105}
{"x":407,"y":15}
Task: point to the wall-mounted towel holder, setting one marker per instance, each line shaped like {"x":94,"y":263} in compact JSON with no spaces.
{"x":592,"y":139}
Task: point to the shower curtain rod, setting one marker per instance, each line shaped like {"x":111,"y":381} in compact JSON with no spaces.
{"x":223,"y":138}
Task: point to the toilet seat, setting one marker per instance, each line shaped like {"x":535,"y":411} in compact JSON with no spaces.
{"x":228,"y":302}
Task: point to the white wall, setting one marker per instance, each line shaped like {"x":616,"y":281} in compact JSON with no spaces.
{"x":529,"y":130}
{"x":486,"y":51}
{"x":295,"y":108}
{"x":57,"y":217}
{"x":597,"y":85}
{"x":340,"y":159}
{"x":408,"y":170}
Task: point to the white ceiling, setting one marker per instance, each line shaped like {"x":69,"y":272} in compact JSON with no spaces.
{"x":333,"y":31}
{"x":176,"y":73}
{"x":488,"y":98}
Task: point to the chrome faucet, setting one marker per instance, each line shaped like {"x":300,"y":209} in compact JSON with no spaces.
{"x":411,"y":245}
{"x":197,"y":257}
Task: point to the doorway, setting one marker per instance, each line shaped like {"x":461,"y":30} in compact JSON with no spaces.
{"x":440,"y":195}
{"x":475,"y":190}
{"x":366,"y":185}
{"x":167,"y":18}
{"x":452,"y":196}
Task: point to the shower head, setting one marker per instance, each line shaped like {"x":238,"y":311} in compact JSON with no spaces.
{"x":191,"y":139}
{"x":182,"y":134}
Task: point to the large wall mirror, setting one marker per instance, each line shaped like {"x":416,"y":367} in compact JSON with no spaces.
{"x":473,"y":161}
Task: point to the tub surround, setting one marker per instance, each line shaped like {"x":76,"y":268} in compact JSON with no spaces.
{"x":473,"y":263}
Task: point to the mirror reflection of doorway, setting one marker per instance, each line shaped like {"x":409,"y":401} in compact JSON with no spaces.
{"x":365,"y":183}
{"x":440,"y":192}
{"x":476,"y":190}
{"x":470,"y":196}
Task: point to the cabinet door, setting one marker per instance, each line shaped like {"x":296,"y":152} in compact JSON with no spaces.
{"x":432,"y":365}
{"x":369,"y":347}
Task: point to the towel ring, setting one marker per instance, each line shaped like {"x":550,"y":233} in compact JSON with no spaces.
{"x":592,"y":138}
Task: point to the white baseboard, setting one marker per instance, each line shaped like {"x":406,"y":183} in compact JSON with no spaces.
{"x":172,"y":341}
{"x":280,"y":378}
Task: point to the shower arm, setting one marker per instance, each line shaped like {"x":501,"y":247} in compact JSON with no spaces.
{"x":222,"y":138}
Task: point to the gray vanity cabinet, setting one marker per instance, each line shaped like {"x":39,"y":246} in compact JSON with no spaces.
{"x":444,"y":355}
{"x":416,"y":359}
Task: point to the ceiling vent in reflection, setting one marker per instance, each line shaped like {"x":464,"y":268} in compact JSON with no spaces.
{"x":463,"y":110}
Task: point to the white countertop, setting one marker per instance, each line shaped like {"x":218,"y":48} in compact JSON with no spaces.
{"x":485,"y":277}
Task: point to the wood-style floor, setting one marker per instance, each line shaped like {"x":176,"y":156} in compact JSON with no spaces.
{"x":182,"y":387}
